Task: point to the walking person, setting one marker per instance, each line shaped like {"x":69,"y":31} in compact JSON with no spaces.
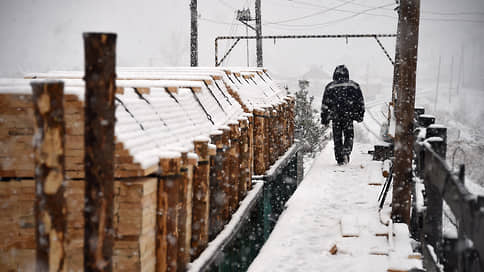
{"x":342,"y":104}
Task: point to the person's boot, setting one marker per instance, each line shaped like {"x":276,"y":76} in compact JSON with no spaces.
{"x":346,"y":159}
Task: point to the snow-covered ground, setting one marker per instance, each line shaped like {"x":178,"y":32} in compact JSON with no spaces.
{"x":311,"y":225}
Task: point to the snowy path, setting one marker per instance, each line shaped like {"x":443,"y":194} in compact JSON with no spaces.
{"x":311,"y":224}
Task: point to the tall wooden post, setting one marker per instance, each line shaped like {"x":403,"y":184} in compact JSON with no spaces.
{"x":244,"y":178}
{"x":201,"y":199}
{"x":217,"y":194}
{"x":234,"y":166}
{"x":50,"y":204}
{"x":225,"y":175}
{"x":194,"y":34}
{"x":409,"y":21}
{"x":167,"y":216}
{"x":432,"y":225}
{"x":259,"y":142}
{"x":258,"y":33}
{"x":99,"y":150}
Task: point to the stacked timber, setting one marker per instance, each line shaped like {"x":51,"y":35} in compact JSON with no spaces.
{"x":135,"y":224}
{"x":17,"y":132}
{"x":74,"y":242}
{"x":187,"y":142}
{"x":17,"y":225}
{"x":17,"y":232}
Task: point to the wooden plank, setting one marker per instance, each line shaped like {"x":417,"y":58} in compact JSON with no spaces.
{"x":349,"y":226}
{"x":172,"y":89}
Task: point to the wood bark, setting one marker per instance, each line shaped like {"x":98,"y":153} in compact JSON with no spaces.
{"x":185,"y":212}
{"x":244,"y":177}
{"x":49,"y":154}
{"x":99,"y":150}
{"x":226,"y":176}
{"x":167,"y":215}
{"x":259,"y":142}
{"x":217,"y":194}
{"x":251,"y":150}
{"x":201,"y":199}
{"x":409,"y":22}
{"x":234,"y":157}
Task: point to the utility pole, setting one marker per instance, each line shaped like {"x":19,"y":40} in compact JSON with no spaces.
{"x":461,"y":68}
{"x":437,"y":87}
{"x":409,"y":17}
{"x":194,"y":34}
{"x":258,"y":33}
{"x":451,"y":82}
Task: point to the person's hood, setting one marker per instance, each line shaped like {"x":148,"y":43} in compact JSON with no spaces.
{"x":341,"y":73}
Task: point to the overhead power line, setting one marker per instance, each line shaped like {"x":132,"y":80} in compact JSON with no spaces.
{"x":312,"y":14}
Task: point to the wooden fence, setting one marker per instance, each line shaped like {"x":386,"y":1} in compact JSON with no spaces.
{"x":465,"y":253}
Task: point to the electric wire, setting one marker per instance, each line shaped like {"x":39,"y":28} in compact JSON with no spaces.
{"x":311,"y":15}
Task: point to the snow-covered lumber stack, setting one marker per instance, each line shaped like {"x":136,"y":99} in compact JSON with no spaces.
{"x":186,"y":143}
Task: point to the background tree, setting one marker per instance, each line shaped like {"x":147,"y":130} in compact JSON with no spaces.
{"x":308,"y":124}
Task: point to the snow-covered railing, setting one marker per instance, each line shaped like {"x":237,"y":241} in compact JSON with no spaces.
{"x":466,"y":252}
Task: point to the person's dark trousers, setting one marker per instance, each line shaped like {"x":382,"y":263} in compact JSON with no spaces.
{"x":343,"y":139}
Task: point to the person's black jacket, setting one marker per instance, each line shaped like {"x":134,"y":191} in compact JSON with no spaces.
{"x":342,"y":99}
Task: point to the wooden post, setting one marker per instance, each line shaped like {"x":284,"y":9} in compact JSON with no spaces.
{"x":244,"y":178}
{"x":432,"y":226}
{"x":268,"y":138}
{"x":259,"y":142}
{"x":217,"y":195}
{"x":234,"y":157}
{"x":285,"y":123}
{"x":280,"y":130}
{"x":226,"y":186}
{"x":99,"y":150}
{"x":251,"y":150}
{"x":271,"y":137}
{"x":50,"y":204}
{"x":291,"y":120}
{"x":185,"y":195}
{"x":167,"y":217}
{"x":409,"y":20}
{"x":201,"y":199}
{"x":425,"y":120}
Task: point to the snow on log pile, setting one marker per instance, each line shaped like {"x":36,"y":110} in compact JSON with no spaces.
{"x":197,"y":128}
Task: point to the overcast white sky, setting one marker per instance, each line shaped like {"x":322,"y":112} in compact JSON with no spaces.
{"x":42,"y":35}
